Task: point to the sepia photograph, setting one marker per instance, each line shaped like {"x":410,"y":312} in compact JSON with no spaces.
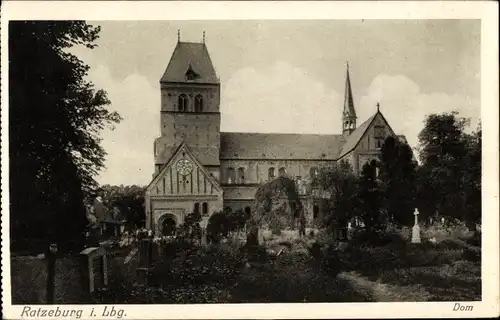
{"x":243,"y":161}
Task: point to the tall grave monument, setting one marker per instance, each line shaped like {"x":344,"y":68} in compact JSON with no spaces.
{"x":415,"y":235}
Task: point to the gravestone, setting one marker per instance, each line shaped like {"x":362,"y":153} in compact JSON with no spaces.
{"x":415,"y":235}
{"x":204,"y":241}
{"x":94,"y":269}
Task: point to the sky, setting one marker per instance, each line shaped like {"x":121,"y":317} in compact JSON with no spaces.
{"x":286,"y":76}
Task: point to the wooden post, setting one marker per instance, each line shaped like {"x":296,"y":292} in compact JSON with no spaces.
{"x":51,"y":270}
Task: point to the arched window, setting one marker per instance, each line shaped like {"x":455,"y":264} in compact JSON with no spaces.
{"x":230,"y":175}
{"x":198,"y":103}
{"x":204,"y":208}
{"x":196,"y":208}
{"x":182,"y":103}
{"x":314,"y":174}
{"x":282,"y":171}
{"x":248,"y":211}
{"x":271,"y":173}
{"x":241,"y":175}
{"x":315,"y":211}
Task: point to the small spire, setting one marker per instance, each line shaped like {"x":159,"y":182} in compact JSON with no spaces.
{"x":378,"y":106}
{"x":203,"y":36}
{"x":347,"y":62}
{"x":178,"y":35}
{"x":348,"y":98}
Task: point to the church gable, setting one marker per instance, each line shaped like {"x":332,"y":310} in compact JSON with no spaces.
{"x":375,"y":134}
{"x":183,"y":175}
{"x":368,"y":136}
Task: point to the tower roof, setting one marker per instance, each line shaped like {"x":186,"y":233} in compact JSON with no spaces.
{"x":348,"y":99}
{"x":190,"y":57}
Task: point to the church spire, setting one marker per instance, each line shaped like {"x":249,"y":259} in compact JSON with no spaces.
{"x":349,"y":113}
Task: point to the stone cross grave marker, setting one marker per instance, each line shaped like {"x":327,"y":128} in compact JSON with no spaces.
{"x":415,"y":236}
{"x":94,"y":269}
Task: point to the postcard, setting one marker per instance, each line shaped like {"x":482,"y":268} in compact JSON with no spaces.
{"x":226,"y":160}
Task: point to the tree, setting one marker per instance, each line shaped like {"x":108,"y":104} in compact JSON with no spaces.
{"x":471,"y":179}
{"x":128,"y":199}
{"x":55,"y":117}
{"x":398,"y":180}
{"x":277,"y":203}
{"x":369,"y":196}
{"x":450,"y":177}
{"x":340,"y":183}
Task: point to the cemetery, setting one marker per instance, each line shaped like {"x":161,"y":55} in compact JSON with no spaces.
{"x":441,"y":262}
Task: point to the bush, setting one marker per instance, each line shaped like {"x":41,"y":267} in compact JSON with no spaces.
{"x":198,"y":267}
{"x":377,"y":239}
{"x":472,"y":253}
{"x":331,"y":261}
{"x":257,"y":254}
{"x":454,"y":229}
{"x":315,"y":251}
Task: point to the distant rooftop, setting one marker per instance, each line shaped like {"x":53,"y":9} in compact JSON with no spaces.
{"x":242,"y":145}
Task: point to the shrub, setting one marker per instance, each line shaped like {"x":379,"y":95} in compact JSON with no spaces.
{"x":331,"y":261}
{"x":453,"y":229}
{"x":257,"y":254}
{"x":275,"y":227}
{"x":370,"y":238}
{"x":315,"y":251}
{"x":472,"y":253}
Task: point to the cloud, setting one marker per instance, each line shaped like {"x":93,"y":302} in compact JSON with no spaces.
{"x":281,"y":98}
{"x":130,"y":145}
{"x":405,"y":106}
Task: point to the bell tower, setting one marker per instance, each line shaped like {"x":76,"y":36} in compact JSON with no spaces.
{"x":349,"y":113}
{"x":190,"y":106}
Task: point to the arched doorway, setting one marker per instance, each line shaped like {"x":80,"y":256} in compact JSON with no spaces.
{"x":168,"y":225}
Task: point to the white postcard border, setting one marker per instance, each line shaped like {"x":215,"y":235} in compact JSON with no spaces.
{"x":189,"y":10}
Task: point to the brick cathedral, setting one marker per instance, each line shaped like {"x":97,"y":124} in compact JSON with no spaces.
{"x":199,"y":168}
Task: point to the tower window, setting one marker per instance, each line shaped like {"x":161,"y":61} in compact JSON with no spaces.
{"x":196,"y":208}
{"x":182,"y":103}
{"x":271,"y":173}
{"x":282,"y":171}
{"x":230,"y":175}
{"x":241,"y":175}
{"x":379,"y":142}
{"x":204,"y":208}
{"x":198,"y":103}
